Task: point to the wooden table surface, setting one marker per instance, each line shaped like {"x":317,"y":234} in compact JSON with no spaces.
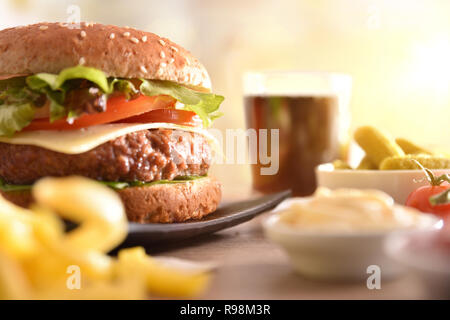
{"x":251,"y":267}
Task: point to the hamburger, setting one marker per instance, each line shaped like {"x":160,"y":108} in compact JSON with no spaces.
{"x":122,"y":106}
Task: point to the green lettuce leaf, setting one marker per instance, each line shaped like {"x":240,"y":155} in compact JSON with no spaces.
{"x":56,"y":82}
{"x":207,"y":117}
{"x":15,"y":117}
{"x":123,"y":185}
{"x":19,"y":96}
{"x":124,"y":86}
{"x":57,"y":110}
{"x":17,"y":82}
{"x":6,"y":187}
{"x":180,"y":93}
{"x":54,"y":86}
{"x":115,"y":185}
{"x":15,"y":91}
{"x":204,"y":105}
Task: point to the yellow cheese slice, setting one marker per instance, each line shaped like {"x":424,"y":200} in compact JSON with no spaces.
{"x":82,"y":140}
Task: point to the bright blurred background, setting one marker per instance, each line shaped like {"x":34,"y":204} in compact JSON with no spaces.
{"x":398,"y":52}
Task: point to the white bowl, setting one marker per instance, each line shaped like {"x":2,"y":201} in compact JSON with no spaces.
{"x":397,"y":183}
{"x":430,"y":265}
{"x":336,"y":255}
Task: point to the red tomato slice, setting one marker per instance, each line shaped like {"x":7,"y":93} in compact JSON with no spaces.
{"x":420,"y":199}
{"x":117,"y":108}
{"x":181,"y":117}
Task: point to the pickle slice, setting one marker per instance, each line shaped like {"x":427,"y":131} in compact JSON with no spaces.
{"x":376,"y":145}
{"x":407,"y":163}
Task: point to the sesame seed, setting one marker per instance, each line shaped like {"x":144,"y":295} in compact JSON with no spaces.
{"x":143,"y":69}
{"x":174,"y":48}
{"x":162,"y":55}
{"x":127,"y":27}
{"x":86,"y":24}
{"x":186,"y":78}
{"x":112,"y":36}
{"x":43,"y":27}
{"x":82,"y":61}
{"x":171,"y":60}
{"x":144,"y":39}
{"x":126,"y":34}
{"x":83,"y":34}
{"x":163,"y":64}
{"x":161,"y":41}
{"x":160,"y":71}
{"x":135,"y":40}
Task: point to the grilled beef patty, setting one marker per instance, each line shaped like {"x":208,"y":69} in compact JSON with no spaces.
{"x":146,"y":155}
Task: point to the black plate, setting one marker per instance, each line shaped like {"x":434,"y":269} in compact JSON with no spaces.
{"x":226,"y":216}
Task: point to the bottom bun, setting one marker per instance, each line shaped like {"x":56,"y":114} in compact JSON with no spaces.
{"x":159,"y":203}
{"x":20,"y":198}
{"x":164,"y":203}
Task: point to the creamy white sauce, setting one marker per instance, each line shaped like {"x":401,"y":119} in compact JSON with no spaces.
{"x":348,"y":209}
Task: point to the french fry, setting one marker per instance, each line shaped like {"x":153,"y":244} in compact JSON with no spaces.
{"x":161,"y":280}
{"x":101,"y":213}
{"x":35,"y":250}
{"x":16,"y":232}
{"x":376,"y":145}
{"x":13,"y":282}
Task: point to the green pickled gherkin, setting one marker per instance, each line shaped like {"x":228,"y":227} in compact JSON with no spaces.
{"x":376,"y":145}
{"x":341,"y":165}
{"x":407,"y":162}
{"x":411,"y":148}
{"x":366,"y":164}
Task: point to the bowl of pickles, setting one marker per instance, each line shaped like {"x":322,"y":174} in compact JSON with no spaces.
{"x":390,"y":165}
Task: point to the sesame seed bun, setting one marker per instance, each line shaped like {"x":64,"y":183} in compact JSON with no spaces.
{"x":117,"y":51}
{"x":159,"y":203}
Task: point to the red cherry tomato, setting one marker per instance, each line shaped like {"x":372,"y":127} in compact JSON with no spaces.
{"x":420,"y":199}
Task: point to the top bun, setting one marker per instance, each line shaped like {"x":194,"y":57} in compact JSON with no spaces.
{"x":119,"y":52}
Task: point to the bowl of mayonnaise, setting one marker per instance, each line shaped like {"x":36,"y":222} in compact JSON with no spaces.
{"x":340,"y":234}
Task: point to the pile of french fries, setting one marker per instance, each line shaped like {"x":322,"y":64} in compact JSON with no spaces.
{"x":40,"y":260}
{"x":385,"y":153}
